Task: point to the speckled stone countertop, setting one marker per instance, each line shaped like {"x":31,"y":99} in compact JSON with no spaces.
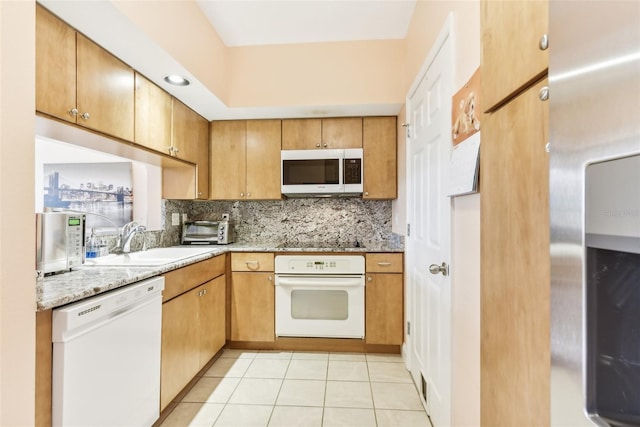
{"x":60,"y":289}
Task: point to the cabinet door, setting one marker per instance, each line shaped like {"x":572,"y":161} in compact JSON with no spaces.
{"x":152,"y":116}
{"x":263,"y":159}
{"x":301,"y":134}
{"x":342,"y":132}
{"x":511,"y":57}
{"x":384,"y":314}
{"x":180,"y":345}
{"x":55,"y":66}
{"x":380,"y":158}
{"x":212,"y":326}
{"x":227,"y":160}
{"x":105,"y":90}
{"x":252,"y":307}
{"x":190,"y":141}
{"x":515,"y":277}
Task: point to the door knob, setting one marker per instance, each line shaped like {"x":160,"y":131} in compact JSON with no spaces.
{"x":437,"y":269}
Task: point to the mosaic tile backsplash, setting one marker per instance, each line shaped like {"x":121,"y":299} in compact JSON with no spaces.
{"x":293,"y":220}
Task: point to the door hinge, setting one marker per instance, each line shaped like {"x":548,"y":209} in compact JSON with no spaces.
{"x":408,"y":328}
{"x":408,"y":230}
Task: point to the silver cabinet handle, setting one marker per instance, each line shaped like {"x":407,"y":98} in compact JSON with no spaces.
{"x":544,"y":42}
{"x":544,"y":93}
{"x":85,"y":116}
{"x":248,"y":194}
{"x":318,"y":145}
{"x":270,"y":278}
{"x":325,"y":145}
{"x":199,"y":193}
{"x":241,"y":194}
{"x":437,"y":269}
{"x":73,"y":112}
{"x":384,"y":263}
{"x":366,"y":193}
{"x":369,"y":279}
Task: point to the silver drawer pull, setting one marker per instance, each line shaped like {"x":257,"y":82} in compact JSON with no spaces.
{"x":384,"y":263}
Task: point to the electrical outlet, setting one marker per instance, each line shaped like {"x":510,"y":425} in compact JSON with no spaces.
{"x":184,"y":217}
{"x":175,"y":218}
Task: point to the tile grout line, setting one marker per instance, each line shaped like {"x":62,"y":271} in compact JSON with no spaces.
{"x":373,"y":403}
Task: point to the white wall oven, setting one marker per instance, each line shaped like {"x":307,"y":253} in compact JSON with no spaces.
{"x":320,"y":296}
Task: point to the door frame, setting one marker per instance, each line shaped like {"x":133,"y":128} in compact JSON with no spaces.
{"x":445,"y":35}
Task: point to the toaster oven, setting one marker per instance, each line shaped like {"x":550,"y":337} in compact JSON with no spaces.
{"x":207,"y":233}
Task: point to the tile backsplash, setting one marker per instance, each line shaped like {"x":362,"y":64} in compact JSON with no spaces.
{"x":293,"y":220}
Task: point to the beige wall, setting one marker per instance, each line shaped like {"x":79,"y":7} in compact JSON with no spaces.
{"x":427,"y":22}
{"x":17,"y":220}
{"x":338,"y":73}
{"x":181,"y":28}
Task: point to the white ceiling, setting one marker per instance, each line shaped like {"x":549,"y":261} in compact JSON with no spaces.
{"x":262,"y":22}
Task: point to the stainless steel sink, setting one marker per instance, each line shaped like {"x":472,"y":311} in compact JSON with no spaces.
{"x":151,"y":257}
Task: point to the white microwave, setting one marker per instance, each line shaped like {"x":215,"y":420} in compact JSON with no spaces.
{"x":318,"y":173}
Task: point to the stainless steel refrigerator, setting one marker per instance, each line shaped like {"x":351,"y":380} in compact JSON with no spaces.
{"x":594,"y":95}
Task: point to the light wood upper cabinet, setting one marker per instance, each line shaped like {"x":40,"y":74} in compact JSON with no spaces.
{"x":152,"y":115}
{"x":245,"y":160}
{"x":263,"y":159}
{"x":55,"y":66}
{"x":190,"y":142}
{"x":227,"y":160}
{"x":344,"y":132}
{"x":301,"y":134}
{"x":105,"y":90}
{"x":379,"y":143}
{"x":315,"y":134}
{"x":78,"y":81}
{"x":515,"y":270}
{"x":511,"y":56}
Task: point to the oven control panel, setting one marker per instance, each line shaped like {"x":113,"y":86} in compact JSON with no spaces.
{"x":325,"y":264}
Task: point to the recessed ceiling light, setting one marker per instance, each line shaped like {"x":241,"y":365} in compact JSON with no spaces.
{"x":176,"y":80}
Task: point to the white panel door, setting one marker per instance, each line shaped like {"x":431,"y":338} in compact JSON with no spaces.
{"x":429,"y":240}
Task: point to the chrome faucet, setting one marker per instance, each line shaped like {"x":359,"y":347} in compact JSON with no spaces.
{"x":126,"y":235}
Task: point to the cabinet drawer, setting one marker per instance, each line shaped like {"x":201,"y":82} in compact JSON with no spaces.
{"x":384,"y":263}
{"x":185,"y":278}
{"x":252,"y":261}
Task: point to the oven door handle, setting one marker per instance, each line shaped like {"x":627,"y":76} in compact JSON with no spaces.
{"x":324,"y":282}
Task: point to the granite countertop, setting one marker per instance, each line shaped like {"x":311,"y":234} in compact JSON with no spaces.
{"x":60,"y":289}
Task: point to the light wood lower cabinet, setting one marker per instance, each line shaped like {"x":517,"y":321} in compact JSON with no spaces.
{"x":384,"y":299}
{"x":180,"y":339}
{"x":212,"y":307}
{"x":252,"y":297}
{"x":193,"y":323}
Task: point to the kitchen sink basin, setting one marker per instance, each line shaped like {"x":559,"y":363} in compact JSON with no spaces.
{"x":151,"y":257}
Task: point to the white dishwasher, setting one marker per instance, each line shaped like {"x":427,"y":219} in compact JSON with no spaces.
{"x":106,"y":358}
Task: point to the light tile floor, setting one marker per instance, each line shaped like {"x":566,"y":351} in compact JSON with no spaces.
{"x":309,"y":389}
